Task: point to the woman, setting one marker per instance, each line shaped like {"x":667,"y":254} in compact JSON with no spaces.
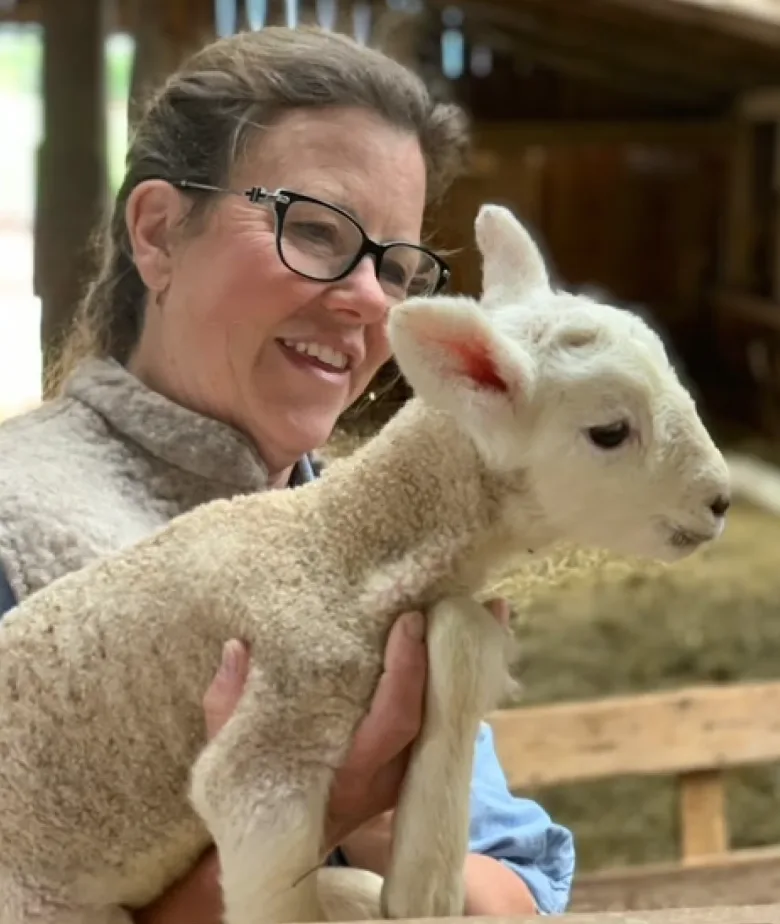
{"x":271,"y":213}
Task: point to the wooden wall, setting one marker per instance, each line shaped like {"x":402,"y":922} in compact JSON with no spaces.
{"x":639,"y":217}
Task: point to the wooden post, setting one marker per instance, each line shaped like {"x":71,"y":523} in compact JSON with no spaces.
{"x":774,"y":244}
{"x":704,"y":827}
{"x":165,"y":32}
{"x":72,"y":172}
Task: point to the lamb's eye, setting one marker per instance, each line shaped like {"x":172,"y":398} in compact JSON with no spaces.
{"x":610,"y":436}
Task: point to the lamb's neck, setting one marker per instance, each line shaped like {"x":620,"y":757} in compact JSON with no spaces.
{"x":417,"y":505}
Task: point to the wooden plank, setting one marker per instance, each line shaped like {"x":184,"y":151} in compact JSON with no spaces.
{"x":758,"y":914}
{"x":739,"y":227}
{"x":680,"y":731}
{"x":593,"y":48}
{"x":756,"y":20}
{"x":761,"y":104}
{"x":703,"y":814}
{"x":739,"y":306}
{"x":718,"y":24}
{"x":32,"y":11}
{"x":774,"y":231}
{"x":702,"y":132}
{"x":634,"y":35}
{"x":742,"y":877}
{"x":584,"y":62}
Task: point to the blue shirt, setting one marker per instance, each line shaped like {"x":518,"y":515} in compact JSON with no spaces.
{"x":515,"y":831}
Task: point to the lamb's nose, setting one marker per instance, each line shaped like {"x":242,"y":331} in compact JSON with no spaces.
{"x":720,"y":505}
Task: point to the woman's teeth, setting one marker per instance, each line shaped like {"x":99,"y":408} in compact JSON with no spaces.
{"x":321,"y":352}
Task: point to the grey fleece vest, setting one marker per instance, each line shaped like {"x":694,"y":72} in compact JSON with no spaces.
{"x":105,"y":464}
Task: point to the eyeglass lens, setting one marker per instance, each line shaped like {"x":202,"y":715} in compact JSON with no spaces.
{"x":321,"y":243}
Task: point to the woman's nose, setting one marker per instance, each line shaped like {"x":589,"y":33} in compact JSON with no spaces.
{"x":360,"y":295}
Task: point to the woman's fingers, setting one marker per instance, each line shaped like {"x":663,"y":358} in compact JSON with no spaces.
{"x":226,"y":688}
{"x":395,"y":715}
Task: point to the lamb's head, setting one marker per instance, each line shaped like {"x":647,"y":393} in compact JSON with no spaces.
{"x":578,"y":396}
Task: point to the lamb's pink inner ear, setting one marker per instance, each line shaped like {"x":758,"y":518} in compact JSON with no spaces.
{"x":477,"y":363}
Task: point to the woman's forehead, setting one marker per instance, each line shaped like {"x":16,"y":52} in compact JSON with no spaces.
{"x":372,"y":170}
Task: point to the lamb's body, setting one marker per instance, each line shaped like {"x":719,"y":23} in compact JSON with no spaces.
{"x":136,"y":665}
{"x":539,"y":417}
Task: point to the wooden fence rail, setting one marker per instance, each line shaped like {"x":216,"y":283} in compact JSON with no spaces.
{"x":694,"y":734}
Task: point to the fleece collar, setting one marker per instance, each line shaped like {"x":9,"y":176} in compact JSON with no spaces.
{"x":172,"y":433}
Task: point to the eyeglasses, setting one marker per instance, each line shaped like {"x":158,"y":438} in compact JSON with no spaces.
{"x":324,"y":243}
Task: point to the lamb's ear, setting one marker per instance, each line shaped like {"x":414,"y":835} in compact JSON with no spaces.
{"x":453,"y":359}
{"x":512,"y":264}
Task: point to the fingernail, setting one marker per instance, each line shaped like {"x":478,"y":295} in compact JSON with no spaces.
{"x":229,"y":665}
{"x":414,"y":625}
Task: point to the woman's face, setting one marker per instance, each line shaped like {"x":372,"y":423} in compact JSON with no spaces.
{"x":226,"y":334}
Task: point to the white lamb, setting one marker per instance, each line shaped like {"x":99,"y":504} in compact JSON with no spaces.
{"x":538,"y":416}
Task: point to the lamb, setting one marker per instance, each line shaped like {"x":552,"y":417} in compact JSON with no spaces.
{"x":537,"y":416}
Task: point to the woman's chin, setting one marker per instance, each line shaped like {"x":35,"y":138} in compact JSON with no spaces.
{"x":309,"y":430}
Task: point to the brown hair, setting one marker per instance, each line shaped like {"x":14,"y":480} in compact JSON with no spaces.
{"x":200,"y":122}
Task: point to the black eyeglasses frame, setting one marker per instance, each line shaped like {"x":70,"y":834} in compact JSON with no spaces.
{"x":282,"y":199}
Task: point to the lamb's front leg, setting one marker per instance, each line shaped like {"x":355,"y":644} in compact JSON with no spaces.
{"x":264,"y":804}
{"x":467,"y":658}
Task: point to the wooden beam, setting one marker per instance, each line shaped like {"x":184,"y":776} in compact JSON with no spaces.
{"x":736,"y":269}
{"x":603,"y":31}
{"x":165,"y":33}
{"x":574,"y":42}
{"x":774,"y":229}
{"x":741,"y":877}
{"x":687,"y":132}
{"x":751,"y":914}
{"x":72,"y":174}
{"x":760,"y":105}
{"x":753,"y":20}
{"x":740,"y":306}
{"x":672,"y":732}
{"x":32,"y":12}
{"x":587,"y":64}
{"x":712,"y":27}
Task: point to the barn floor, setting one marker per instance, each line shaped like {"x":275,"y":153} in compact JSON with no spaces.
{"x":594,"y":626}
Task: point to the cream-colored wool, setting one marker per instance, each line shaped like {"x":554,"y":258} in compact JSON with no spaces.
{"x":104,"y":670}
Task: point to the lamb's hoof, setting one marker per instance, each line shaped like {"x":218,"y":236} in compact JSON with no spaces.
{"x":426,"y":899}
{"x":346,"y":894}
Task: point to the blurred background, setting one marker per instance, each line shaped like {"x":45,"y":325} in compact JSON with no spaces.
{"x":640,"y":140}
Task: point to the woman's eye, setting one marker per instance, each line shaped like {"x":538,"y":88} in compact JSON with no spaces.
{"x":394,"y":273}
{"x":313,"y":231}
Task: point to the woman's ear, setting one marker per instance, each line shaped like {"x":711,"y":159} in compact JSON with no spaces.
{"x":153,"y":210}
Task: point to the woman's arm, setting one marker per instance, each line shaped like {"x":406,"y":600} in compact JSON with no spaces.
{"x":518,"y":834}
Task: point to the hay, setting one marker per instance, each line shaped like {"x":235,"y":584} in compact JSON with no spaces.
{"x":594,"y":629}
{"x":593,"y":625}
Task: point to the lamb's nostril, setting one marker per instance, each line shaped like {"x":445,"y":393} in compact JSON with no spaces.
{"x":720,"y":505}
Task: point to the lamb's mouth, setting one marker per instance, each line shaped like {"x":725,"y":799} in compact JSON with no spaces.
{"x":682,"y":538}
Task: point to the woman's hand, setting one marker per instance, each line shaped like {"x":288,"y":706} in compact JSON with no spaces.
{"x":368,"y":847}
{"x":370,"y":780}
{"x":366,"y":785}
